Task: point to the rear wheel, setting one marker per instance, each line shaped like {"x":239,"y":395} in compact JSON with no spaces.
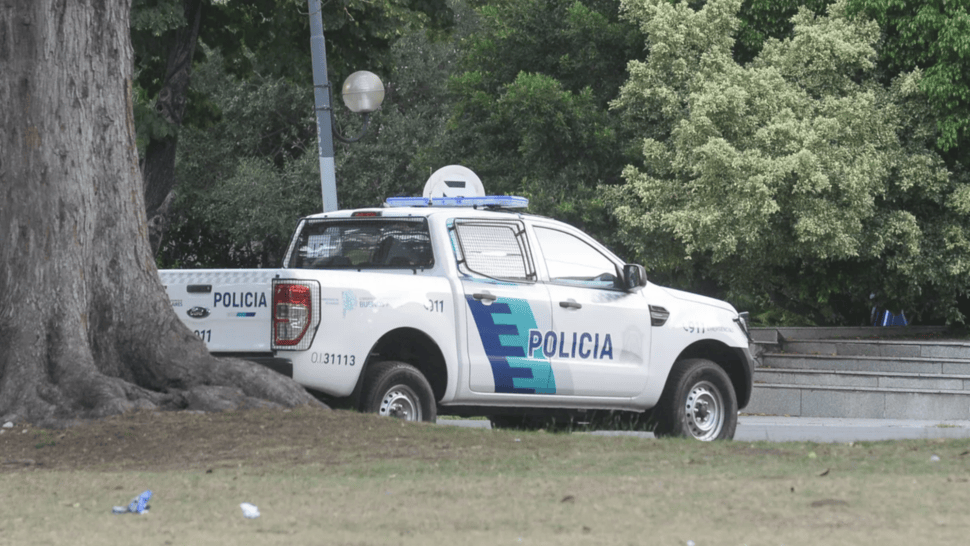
{"x":698,"y":402}
{"x":397,"y":389}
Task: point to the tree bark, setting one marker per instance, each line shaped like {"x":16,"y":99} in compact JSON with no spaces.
{"x":86,"y":329}
{"x":159,"y":166}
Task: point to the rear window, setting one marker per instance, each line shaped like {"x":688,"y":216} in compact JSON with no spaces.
{"x":379,"y":243}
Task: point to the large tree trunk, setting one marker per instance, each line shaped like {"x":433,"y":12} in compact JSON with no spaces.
{"x":86,"y":329}
{"x":159,"y":166}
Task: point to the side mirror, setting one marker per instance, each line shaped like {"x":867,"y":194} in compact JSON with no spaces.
{"x":634,"y":276}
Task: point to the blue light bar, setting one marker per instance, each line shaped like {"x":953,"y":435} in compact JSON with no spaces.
{"x":408,"y":202}
{"x":502,"y":201}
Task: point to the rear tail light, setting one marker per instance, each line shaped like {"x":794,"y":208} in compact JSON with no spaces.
{"x":295,"y":314}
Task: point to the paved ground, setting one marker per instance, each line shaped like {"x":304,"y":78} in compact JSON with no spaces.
{"x":814,"y":429}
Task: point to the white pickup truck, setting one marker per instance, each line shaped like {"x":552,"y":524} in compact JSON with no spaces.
{"x":465,"y":306}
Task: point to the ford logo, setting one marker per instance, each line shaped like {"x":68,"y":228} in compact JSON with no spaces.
{"x":198,"y":312}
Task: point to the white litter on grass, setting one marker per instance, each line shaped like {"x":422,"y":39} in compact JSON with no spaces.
{"x":934,"y":458}
{"x":250,"y":511}
{"x":8,"y":424}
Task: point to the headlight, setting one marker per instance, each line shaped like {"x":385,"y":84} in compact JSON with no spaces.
{"x":742,"y":322}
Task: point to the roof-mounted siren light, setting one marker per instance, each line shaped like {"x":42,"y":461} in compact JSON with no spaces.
{"x":454,"y":181}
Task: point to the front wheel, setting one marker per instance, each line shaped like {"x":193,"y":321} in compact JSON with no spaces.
{"x":397,"y":389}
{"x":698,"y":402}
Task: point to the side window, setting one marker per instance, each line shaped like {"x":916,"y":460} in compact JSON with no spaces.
{"x":571,"y":260}
{"x":348,"y":243}
{"x":497,"y":250}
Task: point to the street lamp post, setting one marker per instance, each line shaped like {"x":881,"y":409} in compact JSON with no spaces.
{"x":363,"y":93}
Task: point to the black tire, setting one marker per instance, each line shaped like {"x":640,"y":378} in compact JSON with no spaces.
{"x":698,"y":402}
{"x":396,"y":389}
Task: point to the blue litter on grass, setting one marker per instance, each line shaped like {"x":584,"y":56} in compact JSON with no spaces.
{"x":138,"y":505}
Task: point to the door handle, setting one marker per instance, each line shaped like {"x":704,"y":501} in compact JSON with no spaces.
{"x":570,"y":304}
{"x":484,"y":296}
{"x":199,"y":288}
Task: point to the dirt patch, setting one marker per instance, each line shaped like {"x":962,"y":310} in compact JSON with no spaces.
{"x":160,"y":441}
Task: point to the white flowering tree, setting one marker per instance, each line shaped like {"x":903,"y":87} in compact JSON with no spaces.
{"x":793,"y":182}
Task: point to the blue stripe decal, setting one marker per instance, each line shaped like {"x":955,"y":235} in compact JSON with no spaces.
{"x":504,"y":328}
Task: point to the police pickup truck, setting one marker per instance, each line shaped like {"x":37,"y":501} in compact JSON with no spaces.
{"x":464,"y":305}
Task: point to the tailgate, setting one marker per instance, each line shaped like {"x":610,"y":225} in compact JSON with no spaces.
{"x":230,"y":309}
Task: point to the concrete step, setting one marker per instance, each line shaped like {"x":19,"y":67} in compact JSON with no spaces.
{"x":877,"y":364}
{"x":884,"y":348}
{"x":926,"y":383}
{"x":858,"y":402}
{"x":867,"y":372}
{"x":765,"y":336}
{"x":776,"y":334}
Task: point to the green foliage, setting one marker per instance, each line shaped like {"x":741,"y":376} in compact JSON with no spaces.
{"x":153,"y":25}
{"x":255,"y":35}
{"x":247,"y":164}
{"x":247,"y":177}
{"x":156,"y":17}
{"x":778,"y":160}
{"x":932,"y":35}
{"x":250,"y":174}
{"x":531,"y":116}
{"x":764,"y":19}
{"x":265,"y":39}
{"x":796,"y":180}
{"x":149,"y":123}
{"x":401,"y":148}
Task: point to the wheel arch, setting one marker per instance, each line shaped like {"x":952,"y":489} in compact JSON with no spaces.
{"x":416,"y":348}
{"x":730,"y":359}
